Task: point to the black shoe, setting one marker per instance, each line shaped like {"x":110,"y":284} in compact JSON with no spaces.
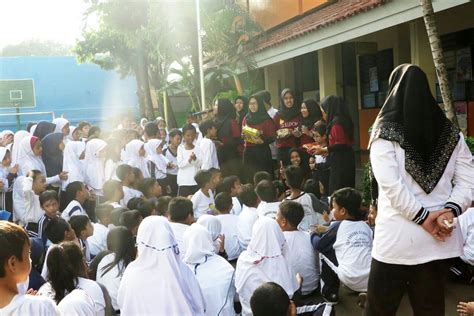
{"x":331,"y":298}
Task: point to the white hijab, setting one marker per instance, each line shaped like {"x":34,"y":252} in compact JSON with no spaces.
{"x":95,"y":174}
{"x":71,"y":162}
{"x":214,"y":274}
{"x":133,"y":157}
{"x":78,"y":302}
{"x":264,"y":261}
{"x":60,"y":123}
{"x":3,"y":171}
{"x":160,"y":161}
{"x":158,"y":282}
{"x":16,"y":145}
{"x":27,"y":160}
{"x":214,"y":226}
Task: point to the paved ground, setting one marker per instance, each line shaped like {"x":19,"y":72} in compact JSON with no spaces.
{"x":454,"y":293}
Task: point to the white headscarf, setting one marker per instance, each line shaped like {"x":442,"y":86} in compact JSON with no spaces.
{"x":214,"y":274}
{"x":71,"y":162}
{"x":33,"y":129}
{"x":60,"y":123}
{"x":27,"y":160}
{"x":160,"y":161}
{"x":3,"y":171}
{"x":158,"y":282}
{"x":5,"y":133}
{"x":16,"y":145}
{"x":143,"y":122}
{"x":133,"y":157}
{"x":214,"y":226}
{"x":264,"y":261}
{"x":78,"y":302}
{"x":95,"y":174}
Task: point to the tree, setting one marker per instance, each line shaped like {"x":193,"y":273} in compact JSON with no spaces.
{"x":437,"y":52}
{"x":36,"y":47}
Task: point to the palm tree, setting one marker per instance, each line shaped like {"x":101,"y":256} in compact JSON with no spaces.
{"x":437,"y":52}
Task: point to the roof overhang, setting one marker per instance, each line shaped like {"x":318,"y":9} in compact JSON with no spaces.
{"x":390,"y":14}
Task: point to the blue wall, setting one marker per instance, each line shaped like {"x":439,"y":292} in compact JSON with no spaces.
{"x":76,"y":91}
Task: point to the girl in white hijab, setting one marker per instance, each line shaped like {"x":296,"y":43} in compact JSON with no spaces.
{"x":158,"y":282}
{"x":214,"y":274}
{"x":62,"y":126}
{"x":29,"y":158}
{"x":73,"y":162}
{"x":135,"y":155}
{"x":264,"y":261}
{"x":214,"y":227}
{"x":16,"y":145}
{"x":154,"y":151}
{"x":95,"y":161}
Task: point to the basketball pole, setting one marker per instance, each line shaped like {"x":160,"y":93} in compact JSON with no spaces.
{"x":18,"y":122}
{"x":201,"y":66}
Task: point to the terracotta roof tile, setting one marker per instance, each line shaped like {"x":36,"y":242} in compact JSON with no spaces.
{"x":311,"y":22}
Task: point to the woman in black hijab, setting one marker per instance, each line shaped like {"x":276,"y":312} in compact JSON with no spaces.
{"x":340,"y":135}
{"x":424,"y":170}
{"x":228,"y":133}
{"x":287,"y":121}
{"x":258,"y":131}
{"x":53,"y":147}
{"x":310,"y":114}
{"x":44,"y":128}
{"x":241,"y":105}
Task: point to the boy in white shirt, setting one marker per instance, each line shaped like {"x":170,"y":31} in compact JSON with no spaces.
{"x":26,"y":206}
{"x":189,"y":162}
{"x":248,"y":216}
{"x":79,"y":194}
{"x":180,"y":216}
{"x":15,"y":267}
{"x":463,"y":267}
{"x":229,"y":222}
{"x":127,"y":177}
{"x":302,"y":256}
{"x":267,"y":193}
{"x":203,"y":199}
{"x":231,"y":185}
{"x":206,"y":145}
{"x":98,"y":241}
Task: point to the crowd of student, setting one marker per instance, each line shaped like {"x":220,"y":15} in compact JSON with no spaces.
{"x":215,"y":218}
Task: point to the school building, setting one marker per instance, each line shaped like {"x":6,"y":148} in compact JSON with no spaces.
{"x":349,"y":48}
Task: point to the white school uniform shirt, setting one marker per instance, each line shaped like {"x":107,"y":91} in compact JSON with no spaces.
{"x":353,"y":247}
{"x":178,"y":231}
{"x":399,"y":240}
{"x":174,"y":159}
{"x":3,"y":171}
{"x":272,"y":112}
{"x":303,"y":259}
{"x":466,"y":225}
{"x":247,"y":218}
{"x":72,"y":164}
{"x":214,"y":274}
{"x":98,"y":241}
{"x":30,"y":305}
{"x":209,"y":154}
{"x":26,"y":204}
{"x":72,"y":209}
{"x":159,"y":160}
{"x":134,"y":159}
{"x":95,"y":166}
{"x":111,"y":279}
{"x":310,"y":216}
{"x":78,"y":302}
{"x":110,"y":170}
{"x":187,"y":170}
{"x":236,"y":206}
{"x":128,"y":194}
{"x":202,"y":204}
{"x":268,"y":209}
{"x":90,"y":287}
{"x":230,"y":231}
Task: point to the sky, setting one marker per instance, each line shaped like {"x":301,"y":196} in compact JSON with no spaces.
{"x":56,"y":20}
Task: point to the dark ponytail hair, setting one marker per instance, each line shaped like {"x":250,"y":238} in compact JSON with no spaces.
{"x":351,"y":200}
{"x":121,"y":242}
{"x":65,"y":264}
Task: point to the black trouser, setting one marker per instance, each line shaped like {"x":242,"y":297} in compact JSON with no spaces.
{"x":187,"y":190}
{"x":329,"y":279}
{"x":461,"y":271}
{"x":424,"y":282}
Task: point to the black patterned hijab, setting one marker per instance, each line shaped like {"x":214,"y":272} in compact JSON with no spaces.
{"x":411,"y":117}
{"x":261,"y":115}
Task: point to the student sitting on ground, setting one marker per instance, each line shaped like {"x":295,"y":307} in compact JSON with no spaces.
{"x":49,"y":202}
{"x":313,"y":208}
{"x":78,"y":195}
{"x":15,"y":266}
{"x":267,"y":194}
{"x":113,"y":192}
{"x":203,"y":199}
{"x":162,"y":205}
{"x":68,"y":271}
{"x":346,"y":248}
{"x":98,"y":241}
{"x":83,"y":228}
{"x":260,"y":176}
{"x":127,"y":177}
{"x":248,"y":216}
{"x":150,"y":188}
{"x":214,"y":227}
{"x":302,"y":256}
{"x":131,"y":220}
{"x":231,"y":185}
{"x":180,"y":216}
{"x":229,"y":225}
